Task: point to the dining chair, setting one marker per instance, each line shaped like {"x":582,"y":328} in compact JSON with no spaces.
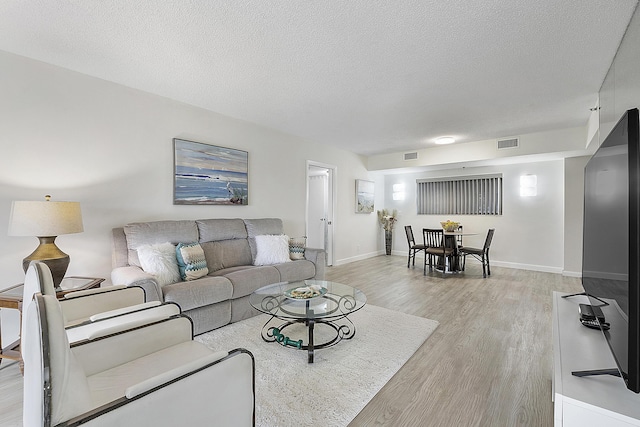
{"x":459,"y":237}
{"x":436,"y":247}
{"x":481,"y":255}
{"x":413,"y":247}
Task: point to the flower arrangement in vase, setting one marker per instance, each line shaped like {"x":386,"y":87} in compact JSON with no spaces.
{"x":387,"y":221}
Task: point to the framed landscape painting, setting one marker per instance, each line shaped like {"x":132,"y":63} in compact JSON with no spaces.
{"x":209,"y":175}
{"x":364,"y":196}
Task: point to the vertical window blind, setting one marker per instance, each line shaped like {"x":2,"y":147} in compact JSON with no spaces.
{"x":468,"y":195}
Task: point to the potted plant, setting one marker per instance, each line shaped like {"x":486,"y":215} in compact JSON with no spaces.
{"x":387,"y":221}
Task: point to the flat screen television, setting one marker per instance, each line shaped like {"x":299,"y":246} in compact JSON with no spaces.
{"x":611,"y":245}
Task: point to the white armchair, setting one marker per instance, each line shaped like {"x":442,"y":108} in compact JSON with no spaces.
{"x":151,"y":375}
{"x":95,"y":312}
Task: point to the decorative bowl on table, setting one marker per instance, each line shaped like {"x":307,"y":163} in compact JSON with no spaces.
{"x":450,"y":225}
{"x":305,"y":292}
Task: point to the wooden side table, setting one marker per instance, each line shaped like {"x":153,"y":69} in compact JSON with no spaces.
{"x":12,"y":298}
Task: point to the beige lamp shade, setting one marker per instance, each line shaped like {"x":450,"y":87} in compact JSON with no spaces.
{"x":44,"y":218}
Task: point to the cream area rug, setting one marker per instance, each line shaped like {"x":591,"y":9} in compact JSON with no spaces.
{"x":343,"y":378}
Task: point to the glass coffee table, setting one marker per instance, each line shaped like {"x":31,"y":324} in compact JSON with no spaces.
{"x":309,"y":302}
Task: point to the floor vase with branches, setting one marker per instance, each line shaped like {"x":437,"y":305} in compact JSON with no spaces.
{"x":387,"y":221}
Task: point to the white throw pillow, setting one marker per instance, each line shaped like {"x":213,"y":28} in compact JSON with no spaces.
{"x":160,"y":261}
{"x":272,"y":249}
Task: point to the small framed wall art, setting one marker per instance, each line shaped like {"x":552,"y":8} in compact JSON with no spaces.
{"x":364,"y":196}
{"x":209,"y":175}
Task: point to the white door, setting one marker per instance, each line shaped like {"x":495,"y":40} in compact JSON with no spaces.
{"x":320,"y":193}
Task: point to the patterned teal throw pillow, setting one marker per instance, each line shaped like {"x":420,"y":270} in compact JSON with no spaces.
{"x":296,"y":247}
{"x":191,"y":261}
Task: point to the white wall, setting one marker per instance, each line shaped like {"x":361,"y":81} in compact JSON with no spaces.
{"x":110,"y":148}
{"x":530,"y":232}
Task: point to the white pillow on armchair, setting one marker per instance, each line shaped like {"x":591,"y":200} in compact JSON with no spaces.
{"x":272,"y":249}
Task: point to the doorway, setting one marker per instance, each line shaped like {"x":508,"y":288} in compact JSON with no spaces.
{"x":320,"y":203}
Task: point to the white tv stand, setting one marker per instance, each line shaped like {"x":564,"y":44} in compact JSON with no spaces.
{"x":601,"y":400}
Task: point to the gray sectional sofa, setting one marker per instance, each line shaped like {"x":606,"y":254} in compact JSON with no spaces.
{"x":222,"y":296}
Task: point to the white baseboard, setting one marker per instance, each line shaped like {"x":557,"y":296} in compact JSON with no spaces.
{"x":518,"y":266}
{"x":357,"y":258}
{"x":572,"y":273}
{"x":531,"y":267}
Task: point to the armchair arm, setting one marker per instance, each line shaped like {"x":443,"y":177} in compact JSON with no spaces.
{"x":135,"y":276}
{"x":104,"y":353}
{"x":318,"y":257}
{"x":76,"y":294}
{"x":124,"y":310}
{"x":122,"y":322}
{"x":220,"y":392}
{"x":84,"y":305}
{"x":166,"y":377}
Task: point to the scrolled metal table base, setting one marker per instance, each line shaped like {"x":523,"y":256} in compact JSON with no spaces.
{"x":343,"y":330}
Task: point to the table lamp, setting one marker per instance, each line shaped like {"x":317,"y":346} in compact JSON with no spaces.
{"x":46,"y":220}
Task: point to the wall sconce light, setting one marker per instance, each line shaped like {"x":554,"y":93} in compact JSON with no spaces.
{"x":398,"y":191}
{"x":528,"y":185}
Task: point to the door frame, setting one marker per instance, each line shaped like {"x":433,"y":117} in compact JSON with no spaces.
{"x":331,"y":203}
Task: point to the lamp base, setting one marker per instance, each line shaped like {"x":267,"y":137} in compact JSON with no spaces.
{"x":51,"y":255}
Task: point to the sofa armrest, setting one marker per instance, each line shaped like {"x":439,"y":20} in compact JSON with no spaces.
{"x":135,"y":276}
{"x":318,"y":258}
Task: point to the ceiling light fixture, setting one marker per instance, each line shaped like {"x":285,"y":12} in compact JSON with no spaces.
{"x":445,"y":140}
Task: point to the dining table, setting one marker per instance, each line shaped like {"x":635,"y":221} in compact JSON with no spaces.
{"x":451,"y":241}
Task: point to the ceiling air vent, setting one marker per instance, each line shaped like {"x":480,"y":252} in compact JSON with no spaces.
{"x":411,"y":156}
{"x":508,"y":143}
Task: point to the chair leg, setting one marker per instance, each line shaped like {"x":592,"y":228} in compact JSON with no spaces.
{"x":409,"y":258}
{"x":488,"y":266}
{"x":484,"y":267}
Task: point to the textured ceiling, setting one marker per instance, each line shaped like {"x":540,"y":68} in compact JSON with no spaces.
{"x":369,"y":76}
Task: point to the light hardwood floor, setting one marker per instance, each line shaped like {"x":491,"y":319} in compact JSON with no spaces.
{"x":487,"y":364}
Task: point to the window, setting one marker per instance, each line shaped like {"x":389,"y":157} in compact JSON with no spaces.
{"x":468,"y":195}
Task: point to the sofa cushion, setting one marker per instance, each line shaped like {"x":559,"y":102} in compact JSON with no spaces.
{"x":246,"y":279}
{"x":160,"y":261}
{"x":271,"y":249}
{"x":191,"y":261}
{"x":260,"y":226}
{"x":226,"y":254}
{"x":197,"y":293}
{"x":212,"y":230}
{"x":149,"y":233}
{"x":296,"y":270}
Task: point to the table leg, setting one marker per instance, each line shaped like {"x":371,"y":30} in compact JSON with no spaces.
{"x":311,"y":324}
